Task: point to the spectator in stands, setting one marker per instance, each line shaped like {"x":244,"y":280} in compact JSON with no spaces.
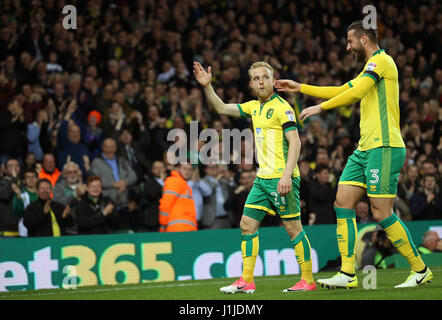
{"x":8,"y":183}
{"x":133,"y":152}
{"x":24,"y":196}
{"x":46,"y":217}
{"x":115,"y":173}
{"x":12,"y":132}
{"x":115,"y":60}
{"x":96,"y":214}
{"x":214,"y":215}
{"x":410,"y":183}
{"x":200,"y":190}
{"x":93,"y":137}
{"x":69,"y":186}
{"x":69,"y":142}
{"x":431,"y":243}
{"x":363,"y":214}
{"x":321,"y":197}
{"x":426,"y":204}
{"x":49,"y":169}
{"x":33,"y":134}
{"x":151,"y":190}
{"x":234,"y":204}
{"x":177,"y":207}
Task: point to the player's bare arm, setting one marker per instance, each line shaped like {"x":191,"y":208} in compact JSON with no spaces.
{"x":204,"y":78}
{"x":285,"y":183}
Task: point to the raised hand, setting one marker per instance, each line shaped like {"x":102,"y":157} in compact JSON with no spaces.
{"x":202,"y":76}
{"x":287,"y":86}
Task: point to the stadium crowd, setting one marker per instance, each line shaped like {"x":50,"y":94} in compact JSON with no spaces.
{"x":85,"y":113}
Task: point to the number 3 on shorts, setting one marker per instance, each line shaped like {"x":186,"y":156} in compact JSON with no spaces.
{"x":276,"y":195}
{"x":374,"y":175}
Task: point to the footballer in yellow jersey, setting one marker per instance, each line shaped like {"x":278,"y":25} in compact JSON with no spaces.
{"x":373,"y":168}
{"x":276,"y":187}
{"x":271,"y":120}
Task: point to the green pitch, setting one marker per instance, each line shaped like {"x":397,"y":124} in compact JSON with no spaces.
{"x":267,"y":288}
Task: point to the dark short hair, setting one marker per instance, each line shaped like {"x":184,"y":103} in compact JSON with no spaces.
{"x":321,"y":167}
{"x":429,"y":175}
{"x":29,"y":170}
{"x":359,"y":29}
{"x":40,"y":181}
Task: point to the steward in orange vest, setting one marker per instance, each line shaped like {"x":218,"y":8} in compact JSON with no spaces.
{"x":177,"y":207}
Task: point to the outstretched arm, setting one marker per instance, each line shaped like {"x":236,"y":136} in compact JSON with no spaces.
{"x":348,"y":97}
{"x":204,"y":78}
{"x":314,"y":91}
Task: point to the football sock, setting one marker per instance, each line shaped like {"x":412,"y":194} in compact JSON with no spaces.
{"x":401,"y":239}
{"x":303,"y":256}
{"x":249,"y":250}
{"x":346,"y":232}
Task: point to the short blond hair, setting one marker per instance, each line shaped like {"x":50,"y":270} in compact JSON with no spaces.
{"x":260,"y":64}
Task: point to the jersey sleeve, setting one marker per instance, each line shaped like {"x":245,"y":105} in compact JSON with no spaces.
{"x":375,"y":68}
{"x":286,"y":117}
{"x":245,"y":109}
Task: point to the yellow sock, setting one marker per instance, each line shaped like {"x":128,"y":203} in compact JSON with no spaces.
{"x":249,"y":250}
{"x":346,"y":232}
{"x":401,"y":239}
{"x":303,"y":256}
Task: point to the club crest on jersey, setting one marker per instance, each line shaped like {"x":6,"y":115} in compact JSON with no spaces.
{"x":370,"y":66}
{"x":290,"y":115}
{"x":269,"y":113}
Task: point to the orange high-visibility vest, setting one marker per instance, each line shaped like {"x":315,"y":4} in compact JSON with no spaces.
{"x":177,"y":207}
{"x":51,"y":177}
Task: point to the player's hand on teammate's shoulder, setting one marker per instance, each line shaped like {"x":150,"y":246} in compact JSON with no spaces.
{"x":287,"y":85}
{"x":202,"y":76}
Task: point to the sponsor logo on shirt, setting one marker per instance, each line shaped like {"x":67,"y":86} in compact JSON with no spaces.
{"x":290,"y":115}
{"x":370,"y":66}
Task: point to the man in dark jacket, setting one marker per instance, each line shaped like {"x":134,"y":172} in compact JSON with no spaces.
{"x":426,"y":204}
{"x":321,"y":196}
{"x":13,"y":130}
{"x":96,"y":214}
{"x":9,"y":221}
{"x":45,"y":217}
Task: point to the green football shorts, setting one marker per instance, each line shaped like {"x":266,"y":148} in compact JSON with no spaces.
{"x":376,"y":170}
{"x":264,"y":199}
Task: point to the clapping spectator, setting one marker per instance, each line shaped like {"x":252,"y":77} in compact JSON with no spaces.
{"x":426,"y":204}
{"x":24,"y":196}
{"x":45,"y":217}
{"x":70,"y":186}
{"x":96,"y":214}
{"x":214,"y":215}
{"x":9,"y":184}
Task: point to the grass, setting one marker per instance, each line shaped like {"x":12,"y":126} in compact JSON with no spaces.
{"x":267,"y":288}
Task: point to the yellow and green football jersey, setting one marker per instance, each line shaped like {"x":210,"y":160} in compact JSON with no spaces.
{"x":270,"y":121}
{"x":379,"y":122}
